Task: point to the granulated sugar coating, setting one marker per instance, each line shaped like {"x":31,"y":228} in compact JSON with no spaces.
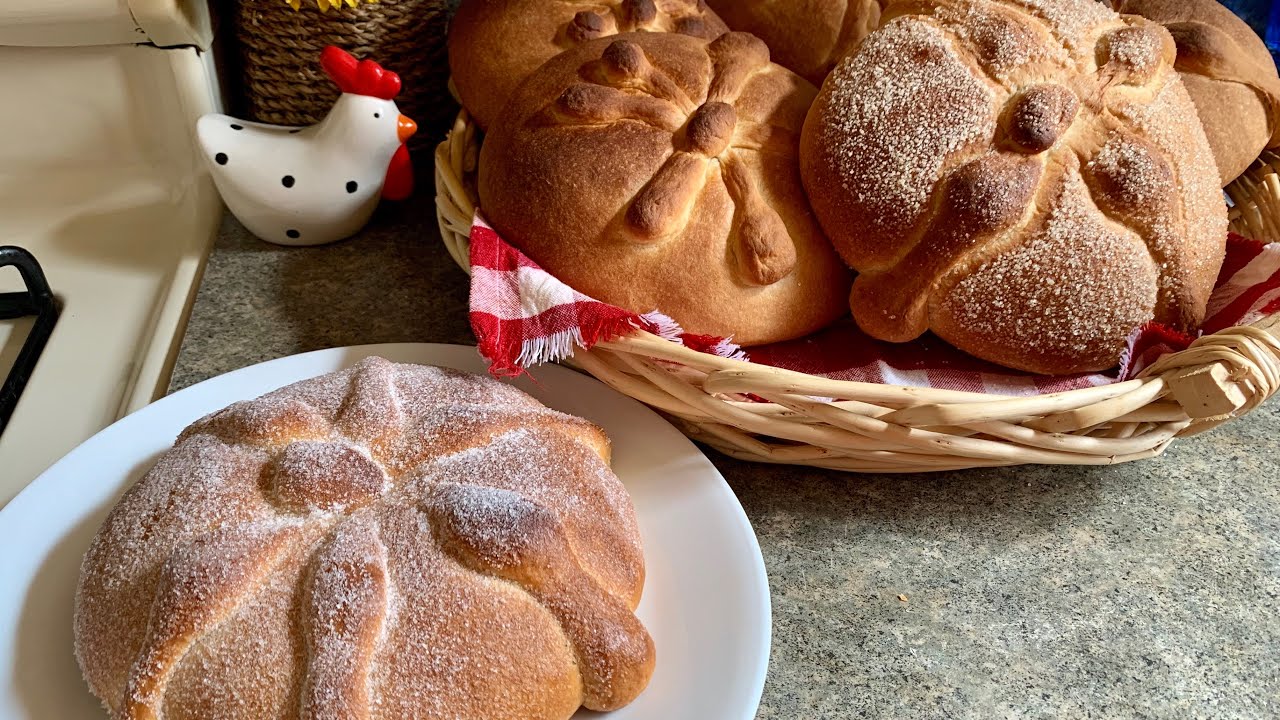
{"x":1089,"y":307}
{"x":1169,"y":123}
{"x":1123,"y":224}
{"x":1073,"y":22}
{"x":884,"y":140}
{"x":1001,"y":43}
{"x":1137,"y":48}
{"x":390,"y":541}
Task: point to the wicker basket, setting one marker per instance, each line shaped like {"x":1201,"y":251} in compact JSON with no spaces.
{"x":278,"y":50}
{"x":889,"y":429}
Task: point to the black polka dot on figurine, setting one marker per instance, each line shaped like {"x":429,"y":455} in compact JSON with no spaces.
{"x":236,"y":127}
{"x":287,"y":181}
{"x":352,"y":186}
{"x":377,"y":115}
{"x":293,"y":234}
{"x":220,"y":158}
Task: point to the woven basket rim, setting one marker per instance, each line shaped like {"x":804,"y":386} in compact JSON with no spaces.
{"x":896,"y":428}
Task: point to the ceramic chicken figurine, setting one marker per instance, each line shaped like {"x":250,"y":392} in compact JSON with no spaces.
{"x":319,"y":184}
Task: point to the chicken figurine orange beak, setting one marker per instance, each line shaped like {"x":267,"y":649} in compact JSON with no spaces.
{"x":405,"y":128}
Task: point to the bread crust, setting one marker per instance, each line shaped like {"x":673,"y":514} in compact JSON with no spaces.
{"x":807,"y":37}
{"x":1026,"y":178}
{"x":658,"y":171}
{"x":495,"y":44}
{"x":386,"y":542}
{"x":1229,"y":74}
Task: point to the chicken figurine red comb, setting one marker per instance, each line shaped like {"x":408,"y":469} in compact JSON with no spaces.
{"x":318,"y":184}
{"x":359,"y":77}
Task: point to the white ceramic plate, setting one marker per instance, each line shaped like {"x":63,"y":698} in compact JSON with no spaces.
{"x":706,"y":598}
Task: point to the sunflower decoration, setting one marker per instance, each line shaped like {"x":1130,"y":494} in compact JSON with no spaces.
{"x":325,"y":5}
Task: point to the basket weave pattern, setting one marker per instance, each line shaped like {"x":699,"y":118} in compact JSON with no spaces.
{"x":280,"y":48}
{"x":889,"y":429}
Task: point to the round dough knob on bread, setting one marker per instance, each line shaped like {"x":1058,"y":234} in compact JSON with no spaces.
{"x":385,"y":542}
{"x":496,"y":44}
{"x":657,"y":171}
{"x":1026,"y":178}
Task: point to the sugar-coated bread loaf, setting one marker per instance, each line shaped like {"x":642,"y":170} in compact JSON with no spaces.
{"x":385,"y":542}
{"x":495,"y":44}
{"x":1229,"y":74}
{"x":1026,"y":178}
{"x":806,"y":36}
{"x":659,"y":171}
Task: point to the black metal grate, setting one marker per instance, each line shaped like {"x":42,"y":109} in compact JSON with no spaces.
{"x":37,"y":301}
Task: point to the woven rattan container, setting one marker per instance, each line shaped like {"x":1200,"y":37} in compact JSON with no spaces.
{"x":889,"y":429}
{"x":278,"y":49}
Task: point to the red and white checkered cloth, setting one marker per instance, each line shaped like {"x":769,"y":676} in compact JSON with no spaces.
{"x":522,"y":316}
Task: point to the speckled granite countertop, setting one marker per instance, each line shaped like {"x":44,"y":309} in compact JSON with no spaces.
{"x":1143,"y":591}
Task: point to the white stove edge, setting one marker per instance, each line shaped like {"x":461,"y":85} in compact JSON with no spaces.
{"x":62,"y":406}
{"x":197,"y":77}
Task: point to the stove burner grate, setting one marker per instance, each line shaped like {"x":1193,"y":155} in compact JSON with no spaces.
{"x":37,"y":301}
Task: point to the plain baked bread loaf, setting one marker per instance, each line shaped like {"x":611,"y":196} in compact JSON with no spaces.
{"x":1026,"y":178}
{"x":386,"y":542}
{"x":658,"y":171}
{"x":496,"y":44}
{"x":806,"y":36}
{"x":1229,"y":74}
